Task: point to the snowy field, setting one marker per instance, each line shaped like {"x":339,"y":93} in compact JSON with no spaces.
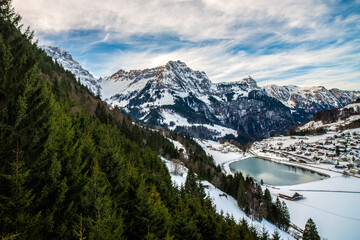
{"x":336,"y":214}
{"x":173,"y":120}
{"x":227,"y":206}
{"x":222,"y":159}
{"x":334,"y":208}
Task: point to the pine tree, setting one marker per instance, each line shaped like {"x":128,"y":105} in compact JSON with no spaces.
{"x":17,"y":217}
{"x":310,"y":231}
{"x":152,"y":219}
{"x":276,"y":235}
{"x":268,"y":203}
{"x":241,"y":197}
{"x":184,"y":227}
{"x":136,"y":134}
{"x":264,"y":234}
{"x":277,"y":212}
{"x":285,"y":216}
{"x":192,"y":186}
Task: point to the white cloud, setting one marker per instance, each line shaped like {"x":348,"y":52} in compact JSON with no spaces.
{"x":230,"y":23}
{"x":193,"y":20}
{"x":331,"y":66}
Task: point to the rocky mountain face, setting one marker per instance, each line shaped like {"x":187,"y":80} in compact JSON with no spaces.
{"x":68,"y":63}
{"x":179,"y":98}
{"x":305,"y":102}
{"x":182,"y":99}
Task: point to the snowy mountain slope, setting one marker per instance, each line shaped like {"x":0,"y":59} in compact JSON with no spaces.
{"x":325,"y":201}
{"x":335,"y":119}
{"x":180,"y":98}
{"x":304,"y":102}
{"x":67,"y":62}
{"x":223,"y":205}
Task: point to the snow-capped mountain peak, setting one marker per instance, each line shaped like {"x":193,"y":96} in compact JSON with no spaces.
{"x":177,"y":97}
{"x":67,"y":62}
{"x":249,"y":81}
{"x":310,"y":100}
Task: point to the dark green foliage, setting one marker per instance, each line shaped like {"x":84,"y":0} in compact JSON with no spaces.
{"x":275,"y":236}
{"x":285,"y":217}
{"x":241,"y":196}
{"x":70,"y":171}
{"x":101,"y":113}
{"x":265,"y":234}
{"x":192,"y":187}
{"x":16,"y":205}
{"x":310,"y":231}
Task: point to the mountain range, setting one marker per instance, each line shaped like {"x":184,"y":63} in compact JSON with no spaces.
{"x":181,"y":99}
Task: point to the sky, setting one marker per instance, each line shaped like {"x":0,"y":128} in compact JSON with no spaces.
{"x":304,"y":43}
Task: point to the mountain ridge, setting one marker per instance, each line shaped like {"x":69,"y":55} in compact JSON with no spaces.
{"x":65,"y":59}
{"x":182,"y":99}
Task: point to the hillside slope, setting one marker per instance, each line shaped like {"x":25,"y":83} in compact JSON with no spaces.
{"x":69,"y":172}
{"x":305,"y":102}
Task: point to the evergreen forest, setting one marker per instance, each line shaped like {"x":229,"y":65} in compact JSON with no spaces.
{"x":71,"y":168}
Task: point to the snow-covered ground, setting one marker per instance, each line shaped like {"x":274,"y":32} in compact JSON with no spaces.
{"x":336,"y":212}
{"x":173,"y":119}
{"x":334,"y":208}
{"x":178,"y":146}
{"x":331,"y":203}
{"x":220,"y":158}
{"x":226,"y":205}
{"x":319,"y":149}
{"x":355,"y":107}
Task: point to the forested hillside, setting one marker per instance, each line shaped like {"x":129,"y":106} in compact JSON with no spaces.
{"x":72,"y":169}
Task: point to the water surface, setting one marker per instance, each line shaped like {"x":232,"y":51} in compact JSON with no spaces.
{"x":274,"y":173}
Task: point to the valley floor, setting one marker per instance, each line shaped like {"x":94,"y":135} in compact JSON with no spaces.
{"x":332,"y":203}
{"x":223,"y":203}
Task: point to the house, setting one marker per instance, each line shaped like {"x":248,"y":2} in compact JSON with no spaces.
{"x":295,"y":197}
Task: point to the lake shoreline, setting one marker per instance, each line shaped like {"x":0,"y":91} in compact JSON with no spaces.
{"x":274,"y":173}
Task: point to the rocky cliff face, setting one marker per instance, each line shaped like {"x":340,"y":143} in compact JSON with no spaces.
{"x":68,"y":63}
{"x":305,"y":102}
{"x":180,"y":98}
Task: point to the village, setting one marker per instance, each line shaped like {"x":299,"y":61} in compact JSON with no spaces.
{"x":226,"y":147}
{"x":337,"y":151}
{"x":330,"y":201}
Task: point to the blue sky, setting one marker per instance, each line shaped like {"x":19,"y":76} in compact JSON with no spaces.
{"x":305,"y":43}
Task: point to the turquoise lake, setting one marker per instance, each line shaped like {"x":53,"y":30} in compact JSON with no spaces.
{"x":273,"y":173}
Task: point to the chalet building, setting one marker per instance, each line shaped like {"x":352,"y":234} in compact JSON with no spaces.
{"x":295,"y":197}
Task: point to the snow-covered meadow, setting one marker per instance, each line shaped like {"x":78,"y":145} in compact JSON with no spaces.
{"x":331,"y":203}
{"x":224,"y":205}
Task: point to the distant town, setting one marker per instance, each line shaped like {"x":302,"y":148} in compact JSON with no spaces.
{"x":336,"y":151}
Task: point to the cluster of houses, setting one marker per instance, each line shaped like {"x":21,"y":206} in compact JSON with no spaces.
{"x":224,"y":148}
{"x":341,"y":149}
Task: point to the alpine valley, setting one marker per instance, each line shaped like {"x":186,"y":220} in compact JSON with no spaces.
{"x":181,"y":99}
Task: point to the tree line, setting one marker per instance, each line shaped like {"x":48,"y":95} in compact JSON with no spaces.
{"x":70,"y":171}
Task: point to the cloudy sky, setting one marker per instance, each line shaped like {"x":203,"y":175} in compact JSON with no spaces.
{"x":305,"y":43}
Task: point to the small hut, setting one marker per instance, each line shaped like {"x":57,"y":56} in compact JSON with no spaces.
{"x":295,"y":197}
